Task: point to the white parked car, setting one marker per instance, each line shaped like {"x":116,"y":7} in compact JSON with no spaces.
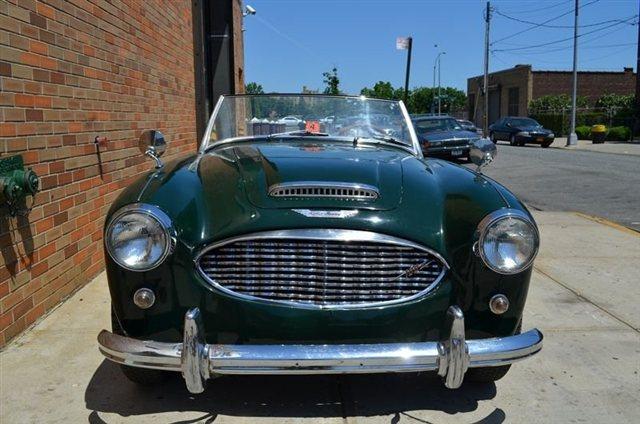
{"x":290,"y":121}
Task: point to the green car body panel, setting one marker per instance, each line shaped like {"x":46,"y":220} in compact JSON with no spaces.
{"x":224,"y":193}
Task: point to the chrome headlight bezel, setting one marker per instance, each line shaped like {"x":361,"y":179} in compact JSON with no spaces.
{"x":152,"y":212}
{"x":492,"y":219}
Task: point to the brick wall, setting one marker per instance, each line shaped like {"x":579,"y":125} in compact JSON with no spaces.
{"x":499,"y":84}
{"x":72,"y":70}
{"x":590,"y":84}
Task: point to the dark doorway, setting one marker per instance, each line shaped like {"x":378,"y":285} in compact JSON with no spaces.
{"x":213,"y":35}
{"x":494,"y":105}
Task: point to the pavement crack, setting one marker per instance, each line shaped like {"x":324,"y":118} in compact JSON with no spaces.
{"x":581,"y":297}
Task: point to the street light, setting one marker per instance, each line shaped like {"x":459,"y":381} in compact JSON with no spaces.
{"x":248,"y":10}
{"x":437,"y":63}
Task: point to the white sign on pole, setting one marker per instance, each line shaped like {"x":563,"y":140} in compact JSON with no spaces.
{"x":402,"y":43}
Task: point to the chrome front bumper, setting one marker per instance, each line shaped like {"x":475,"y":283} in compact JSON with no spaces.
{"x":199,"y":361}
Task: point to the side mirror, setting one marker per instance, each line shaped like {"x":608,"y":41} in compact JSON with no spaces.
{"x":508,"y":124}
{"x":482,"y":152}
{"x":152,"y":144}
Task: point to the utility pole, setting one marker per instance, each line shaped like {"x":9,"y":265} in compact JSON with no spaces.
{"x":436,"y":65}
{"x":572,"y":140}
{"x":406,"y":79}
{"x":637,"y":123}
{"x":485,"y":120}
{"x":439,"y":86}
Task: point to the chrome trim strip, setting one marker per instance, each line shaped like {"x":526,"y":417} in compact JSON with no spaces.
{"x":417,"y":150}
{"x":451,"y":357}
{"x":491,"y":219}
{"x":157,"y":214}
{"x":207,"y":131}
{"x":366,"y":192}
{"x":322,"y":234}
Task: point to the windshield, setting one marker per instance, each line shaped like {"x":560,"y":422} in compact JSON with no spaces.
{"x":269,"y":117}
{"x":439,"y":124}
{"x":524,"y":122}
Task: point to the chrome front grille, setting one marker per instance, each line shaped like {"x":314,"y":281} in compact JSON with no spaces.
{"x":334,"y":190}
{"x":322,"y":268}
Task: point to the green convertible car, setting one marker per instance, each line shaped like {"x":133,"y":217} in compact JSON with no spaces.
{"x":333,"y":248}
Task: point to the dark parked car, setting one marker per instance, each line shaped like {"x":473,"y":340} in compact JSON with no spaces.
{"x":305,"y":252}
{"x":519,"y":131}
{"x":442,"y":136}
{"x":469,"y":126}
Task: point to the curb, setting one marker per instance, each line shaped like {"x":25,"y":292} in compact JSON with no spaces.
{"x":608,"y":223}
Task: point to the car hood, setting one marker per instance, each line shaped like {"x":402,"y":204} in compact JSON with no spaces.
{"x":538,"y":130}
{"x":449,"y":135}
{"x":262,"y":167}
{"x":223,"y":193}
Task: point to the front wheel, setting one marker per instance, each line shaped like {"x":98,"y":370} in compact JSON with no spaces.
{"x":140,"y":376}
{"x":546,"y":144}
{"x":493,"y":138}
{"x":512,"y":140}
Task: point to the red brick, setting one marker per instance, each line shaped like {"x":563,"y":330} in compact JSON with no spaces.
{"x":24,"y":100}
{"x":45,"y":10}
{"x":7,"y":129}
{"x":22,"y":308}
{"x":37,"y":20}
{"x":38,"y":47}
{"x":5,"y":69}
{"x":33,"y":114}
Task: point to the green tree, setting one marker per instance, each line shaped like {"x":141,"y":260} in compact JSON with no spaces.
{"x":420,"y":100}
{"x":616,"y":102}
{"x":381,"y":90}
{"x":331,"y":82}
{"x":253,"y":88}
{"x":555,"y":103}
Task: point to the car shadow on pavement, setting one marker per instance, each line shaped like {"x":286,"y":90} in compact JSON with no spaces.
{"x":286,"y":396}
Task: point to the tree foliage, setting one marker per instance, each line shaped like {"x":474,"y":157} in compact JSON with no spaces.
{"x":331,"y":82}
{"x":555,"y":104}
{"x":420,"y":99}
{"x":381,"y":90}
{"x":253,"y":88}
{"x":612,"y":103}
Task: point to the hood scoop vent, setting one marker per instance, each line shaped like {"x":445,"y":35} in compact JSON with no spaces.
{"x":324,"y":189}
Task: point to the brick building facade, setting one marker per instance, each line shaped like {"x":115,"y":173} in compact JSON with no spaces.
{"x":71,"y":71}
{"x":511,"y":90}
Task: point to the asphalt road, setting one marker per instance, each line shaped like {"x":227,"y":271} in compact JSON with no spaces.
{"x":601,"y":184}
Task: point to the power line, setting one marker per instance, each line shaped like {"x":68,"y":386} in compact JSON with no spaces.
{"x":555,"y":26}
{"x":566,"y":39}
{"x":542,"y":23}
{"x":585,"y":40}
{"x":546,"y":8}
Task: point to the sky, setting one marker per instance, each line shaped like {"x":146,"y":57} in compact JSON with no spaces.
{"x":290,"y":43}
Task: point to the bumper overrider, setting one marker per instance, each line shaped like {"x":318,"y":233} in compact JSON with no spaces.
{"x":199,"y":361}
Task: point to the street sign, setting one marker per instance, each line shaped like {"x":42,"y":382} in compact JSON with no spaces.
{"x":402,"y":43}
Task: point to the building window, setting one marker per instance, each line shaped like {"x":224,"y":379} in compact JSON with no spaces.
{"x":514,"y":100}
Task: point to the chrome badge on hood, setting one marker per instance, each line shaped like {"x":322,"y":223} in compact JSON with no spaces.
{"x":315,"y":213}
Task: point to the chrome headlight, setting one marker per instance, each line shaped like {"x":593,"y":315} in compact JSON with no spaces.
{"x":508,"y":241}
{"x":551,"y":135}
{"x":139,"y":237}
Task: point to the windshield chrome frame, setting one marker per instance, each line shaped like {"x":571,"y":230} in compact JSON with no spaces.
{"x":414,"y":147}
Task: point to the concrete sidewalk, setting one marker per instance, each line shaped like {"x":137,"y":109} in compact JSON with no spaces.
{"x":607,"y":147}
{"x":583,"y":296}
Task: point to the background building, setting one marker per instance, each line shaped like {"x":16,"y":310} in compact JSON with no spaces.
{"x":511,"y":90}
{"x":72,"y":71}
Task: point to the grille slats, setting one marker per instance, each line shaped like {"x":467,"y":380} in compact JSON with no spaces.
{"x":322,"y":273}
{"x":333,"y":190}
